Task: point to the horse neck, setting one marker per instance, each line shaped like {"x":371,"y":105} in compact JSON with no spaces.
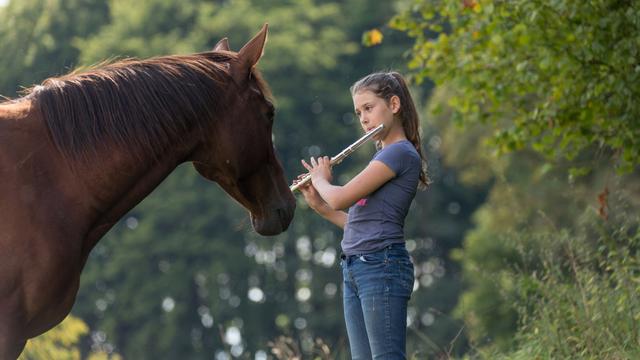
{"x":118,"y":182}
{"x":95,"y":193}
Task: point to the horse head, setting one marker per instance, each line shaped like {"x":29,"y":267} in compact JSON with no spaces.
{"x":246,"y":166}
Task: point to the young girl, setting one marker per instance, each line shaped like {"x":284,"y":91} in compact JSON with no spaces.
{"x":376,"y":268}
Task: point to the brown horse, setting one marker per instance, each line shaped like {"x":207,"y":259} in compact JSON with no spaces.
{"x":81,"y":150}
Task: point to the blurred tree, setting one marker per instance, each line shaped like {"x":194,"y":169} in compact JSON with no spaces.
{"x":38,"y":38}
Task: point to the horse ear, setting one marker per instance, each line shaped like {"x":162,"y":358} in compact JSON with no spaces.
{"x":223,"y":44}
{"x":250,"y":53}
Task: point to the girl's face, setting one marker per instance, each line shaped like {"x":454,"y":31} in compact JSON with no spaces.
{"x":372,"y":110}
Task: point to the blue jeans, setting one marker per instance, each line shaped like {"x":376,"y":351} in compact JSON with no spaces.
{"x":376,"y":289}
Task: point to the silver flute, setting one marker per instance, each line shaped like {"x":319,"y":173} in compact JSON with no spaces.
{"x":342,"y":155}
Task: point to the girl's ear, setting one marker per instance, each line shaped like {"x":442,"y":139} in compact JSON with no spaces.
{"x":394,"y":103}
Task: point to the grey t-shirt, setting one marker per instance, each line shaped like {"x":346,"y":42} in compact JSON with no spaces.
{"x":377,"y":220}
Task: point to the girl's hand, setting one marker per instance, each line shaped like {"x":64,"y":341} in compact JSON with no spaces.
{"x":311,"y":195}
{"x":319,"y":169}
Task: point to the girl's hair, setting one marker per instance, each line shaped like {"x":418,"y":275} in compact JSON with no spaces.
{"x":385,"y":85}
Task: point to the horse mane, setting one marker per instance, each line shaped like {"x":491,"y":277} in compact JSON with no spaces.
{"x":142,"y":106}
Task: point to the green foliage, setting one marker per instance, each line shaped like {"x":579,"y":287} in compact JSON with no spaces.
{"x":527,"y":196}
{"x":577,"y":292}
{"x":559,"y":77}
{"x":566,"y":292}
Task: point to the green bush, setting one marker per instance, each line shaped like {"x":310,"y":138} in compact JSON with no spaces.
{"x":578,"y":292}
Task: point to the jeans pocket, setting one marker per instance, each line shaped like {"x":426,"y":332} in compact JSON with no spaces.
{"x":372,"y":259}
{"x":406,"y":275}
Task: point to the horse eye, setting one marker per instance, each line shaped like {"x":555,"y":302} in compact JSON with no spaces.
{"x":271,"y":110}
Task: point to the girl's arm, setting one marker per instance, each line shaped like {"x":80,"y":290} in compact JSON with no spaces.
{"x":337,"y":217}
{"x":341,"y":197}
{"x":313,"y":199}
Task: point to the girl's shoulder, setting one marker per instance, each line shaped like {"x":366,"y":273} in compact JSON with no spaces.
{"x":402,"y":147}
{"x":399,"y":156}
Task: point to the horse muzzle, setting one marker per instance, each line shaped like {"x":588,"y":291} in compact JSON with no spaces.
{"x":274,"y":221}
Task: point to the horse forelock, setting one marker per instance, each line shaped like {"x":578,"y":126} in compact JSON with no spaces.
{"x":141,"y":106}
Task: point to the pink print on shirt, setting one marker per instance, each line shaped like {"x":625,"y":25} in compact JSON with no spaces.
{"x":362,"y":202}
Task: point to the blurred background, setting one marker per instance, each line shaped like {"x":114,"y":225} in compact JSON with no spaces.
{"x":525,"y":246}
